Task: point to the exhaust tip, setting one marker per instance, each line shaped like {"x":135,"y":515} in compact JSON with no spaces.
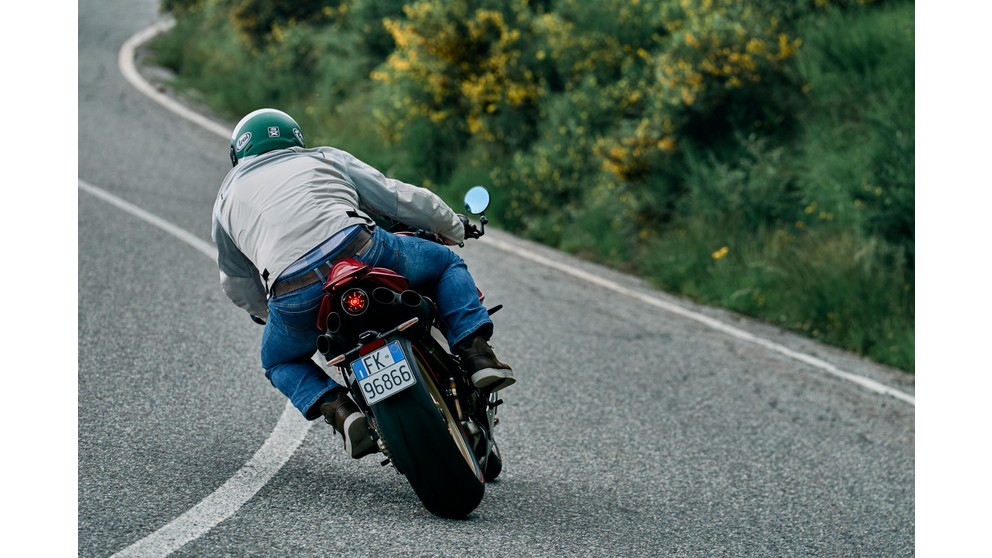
{"x":411,"y":298}
{"x":324,"y":344}
{"x":382,"y":295}
{"x":333,"y":322}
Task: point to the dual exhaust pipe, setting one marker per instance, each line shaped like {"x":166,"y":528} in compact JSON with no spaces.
{"x":381,"y":295}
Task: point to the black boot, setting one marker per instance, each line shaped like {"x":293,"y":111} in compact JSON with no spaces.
{"x":347,"y":420}
{"x":481,"y":364}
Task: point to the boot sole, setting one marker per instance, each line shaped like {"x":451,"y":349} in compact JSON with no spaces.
{"x":358,"y":442}
{"x":493,"y":379}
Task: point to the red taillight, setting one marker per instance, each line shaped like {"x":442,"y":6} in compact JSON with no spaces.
{"x":366,"y":349}
{"x":355,"y":301}
{"x":362,"y":351}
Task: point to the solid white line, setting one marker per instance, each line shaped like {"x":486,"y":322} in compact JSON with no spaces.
{"x":125,"y":61}
{"x":228,"y":499}
{"x":247,"y":481}
{"x":205,"y":248}
{"x":703,"y":319}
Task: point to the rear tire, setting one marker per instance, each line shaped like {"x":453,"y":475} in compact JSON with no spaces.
{"x":430,"y":448}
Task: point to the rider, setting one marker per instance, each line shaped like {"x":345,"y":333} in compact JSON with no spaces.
{"x":284,"y":214}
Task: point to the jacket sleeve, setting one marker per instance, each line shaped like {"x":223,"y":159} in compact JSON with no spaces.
{"x":239,"y":277}
{"x":406,"y":203}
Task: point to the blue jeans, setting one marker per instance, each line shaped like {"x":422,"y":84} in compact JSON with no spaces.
{"x":290,"y":337}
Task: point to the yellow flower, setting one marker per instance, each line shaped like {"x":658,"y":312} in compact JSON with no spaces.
{"x":721,"y":253}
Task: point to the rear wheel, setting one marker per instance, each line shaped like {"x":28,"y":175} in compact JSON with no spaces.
{"x":429,"y":446}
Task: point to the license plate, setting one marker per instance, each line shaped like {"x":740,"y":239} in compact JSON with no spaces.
{"x":383,"y":372}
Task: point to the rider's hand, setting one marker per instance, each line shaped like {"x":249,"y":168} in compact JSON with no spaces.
{"x":471,"y":231}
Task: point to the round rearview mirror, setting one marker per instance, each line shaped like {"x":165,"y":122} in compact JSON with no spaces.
{"x":477,"y":200}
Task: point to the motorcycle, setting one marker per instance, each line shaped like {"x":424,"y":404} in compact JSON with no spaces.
{"x":429,"y":421}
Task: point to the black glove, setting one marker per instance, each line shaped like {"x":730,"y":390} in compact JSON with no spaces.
{"x":471,"y":231}
{"x":257,"y":320}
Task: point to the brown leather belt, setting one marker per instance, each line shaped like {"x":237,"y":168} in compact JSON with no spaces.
{"x":356,"y":247}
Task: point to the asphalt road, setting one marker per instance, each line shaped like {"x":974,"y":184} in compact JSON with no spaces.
{"x":633,"y":430}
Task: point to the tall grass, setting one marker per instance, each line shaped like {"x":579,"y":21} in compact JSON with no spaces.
{"x":817,"y":235}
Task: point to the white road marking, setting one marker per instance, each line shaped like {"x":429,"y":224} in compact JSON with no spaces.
{"x":701,"y":318}
{"x":256,"y":472}
{"x":205,"y":248}
{"x":125,"y":61}
{"x":228,"y":499}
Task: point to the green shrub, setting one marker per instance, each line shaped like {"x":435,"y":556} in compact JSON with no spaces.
{"x":865,"y":149}
{"x":258,"y":21}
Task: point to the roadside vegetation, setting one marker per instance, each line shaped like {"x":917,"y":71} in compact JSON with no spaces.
{"x":757,"y":156}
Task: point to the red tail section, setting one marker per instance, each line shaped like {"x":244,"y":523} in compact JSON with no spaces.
{"x":349,"y":270}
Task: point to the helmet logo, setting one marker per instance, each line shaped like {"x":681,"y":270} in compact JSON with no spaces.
{"x":298,"y":134}
{"x":242,"y":141}
{"x":274,"y":131}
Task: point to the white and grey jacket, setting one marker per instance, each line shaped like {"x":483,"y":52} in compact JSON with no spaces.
{"x":275,"y":207}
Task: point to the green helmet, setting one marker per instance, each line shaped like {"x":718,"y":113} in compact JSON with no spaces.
{"x":262,"y":131}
